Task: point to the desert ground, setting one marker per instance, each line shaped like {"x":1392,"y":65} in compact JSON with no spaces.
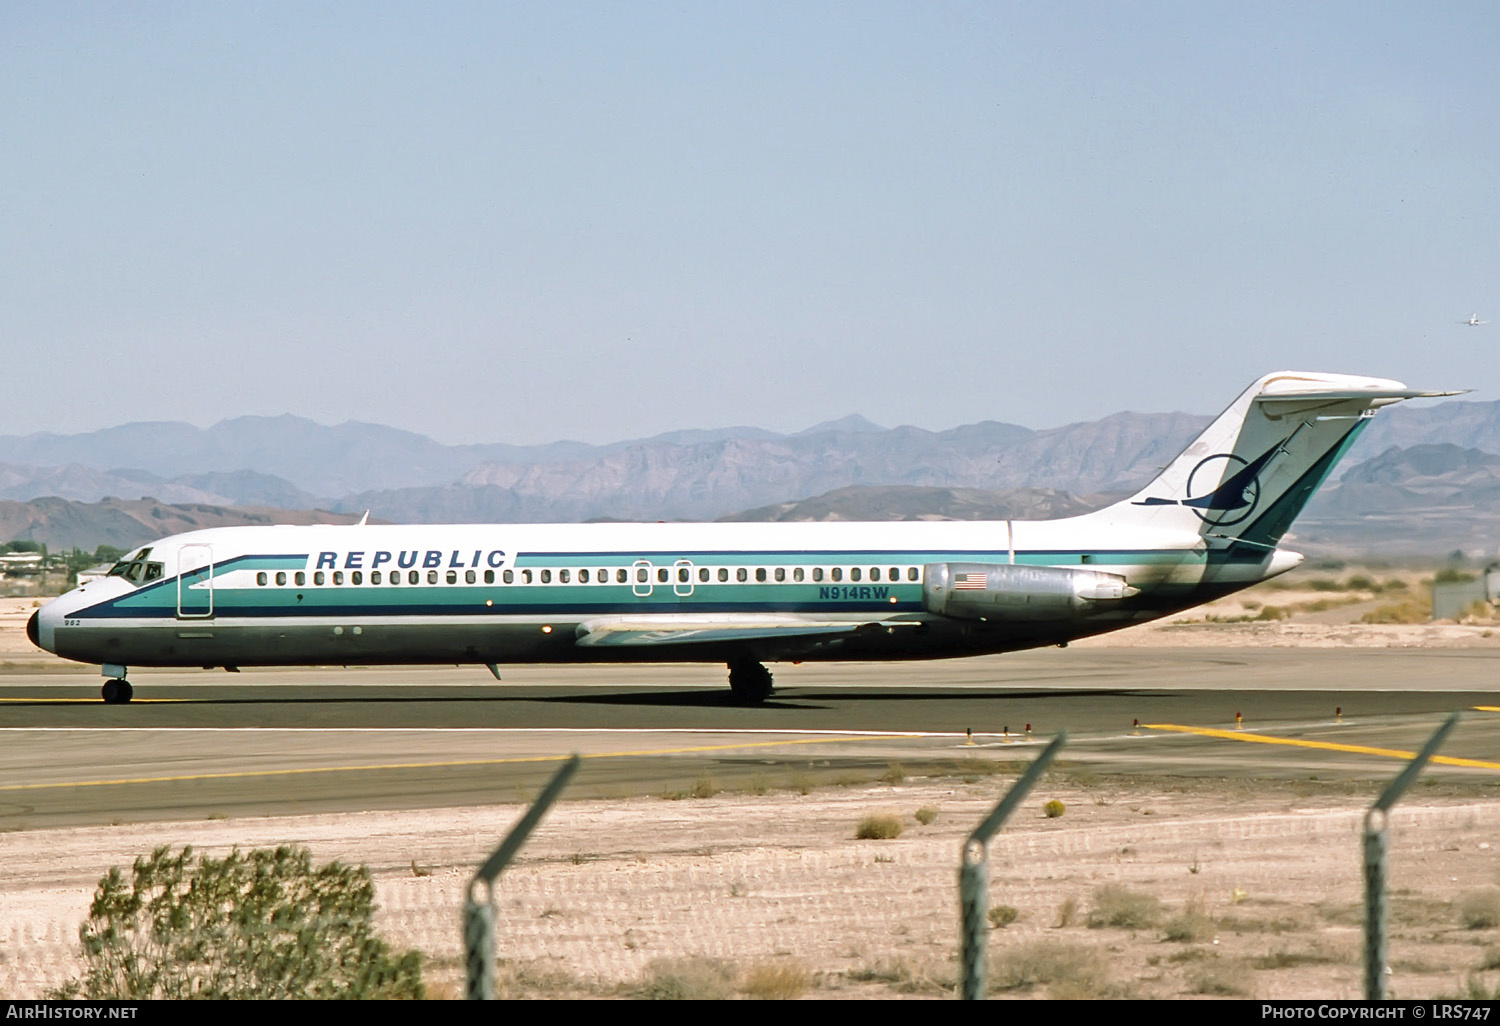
{"x":1141,"y":888}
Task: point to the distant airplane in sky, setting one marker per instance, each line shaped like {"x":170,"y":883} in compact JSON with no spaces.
{"x":1473,"y":321}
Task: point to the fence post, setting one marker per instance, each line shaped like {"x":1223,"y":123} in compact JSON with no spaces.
{"x":973,"y":872}
{"x":479,"y":917}
{"x":1375,"y":849}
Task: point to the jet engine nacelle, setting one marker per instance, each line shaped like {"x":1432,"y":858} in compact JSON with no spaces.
{"x":1005,"y":591}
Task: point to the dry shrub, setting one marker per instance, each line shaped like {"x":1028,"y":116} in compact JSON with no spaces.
{"x":878,"y":827}
{"x":1217,"y":980}
{"x":893,"y":774}
{"x":1067,"y":912}
{"x":1283,"y":958}
{"x":927,"y":815}
{"x":1118,"y":906}
{"x":1066,"y":970}
{"x":904,"y":977}
{"x":705,"y":787}
{"x":1480,"y":909}
{"x":1192,"y":925}
{"x":1054,"y":808}
{"x":1415,"y":609}
{"x":536,"y":980}
{"x":776,"y":981}
{"x":695,"y":978}
{"x":1001,"y":916}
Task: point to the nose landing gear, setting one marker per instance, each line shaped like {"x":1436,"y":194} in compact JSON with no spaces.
{"x":116,"y":690}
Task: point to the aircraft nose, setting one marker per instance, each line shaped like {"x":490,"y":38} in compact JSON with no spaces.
{"x":34,"y":630}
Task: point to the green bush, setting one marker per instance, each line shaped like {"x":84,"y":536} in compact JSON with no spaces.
{"x":262,"y":924}
{"x":1054,"y":808}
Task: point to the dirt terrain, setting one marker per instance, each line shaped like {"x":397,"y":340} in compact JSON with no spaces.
{"x":1140,"y":889}
{"x":1148,"y":888}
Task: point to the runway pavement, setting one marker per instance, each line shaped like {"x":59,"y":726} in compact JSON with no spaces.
{"x":201,"y":744}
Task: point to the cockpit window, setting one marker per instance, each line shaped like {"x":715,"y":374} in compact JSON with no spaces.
{"x":136,"y":568}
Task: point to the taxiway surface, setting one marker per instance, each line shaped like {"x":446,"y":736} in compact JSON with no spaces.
{"x":206,"y":745}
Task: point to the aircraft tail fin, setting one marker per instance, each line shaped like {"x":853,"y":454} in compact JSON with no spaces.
{"x":1248,"y":475}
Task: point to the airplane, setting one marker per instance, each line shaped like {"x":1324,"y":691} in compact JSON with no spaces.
{"x":1473,"y":321}
{"x":741,"y":594}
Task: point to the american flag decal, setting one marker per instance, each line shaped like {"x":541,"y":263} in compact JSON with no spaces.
{"x":968,"y":582}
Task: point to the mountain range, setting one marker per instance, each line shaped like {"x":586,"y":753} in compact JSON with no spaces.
{"x":1437,"y":455}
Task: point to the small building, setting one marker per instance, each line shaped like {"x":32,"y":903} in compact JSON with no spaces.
{"x":1451,"y":600}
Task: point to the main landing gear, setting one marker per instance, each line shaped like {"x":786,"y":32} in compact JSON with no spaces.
{"x":750,"y":681}
{"x":116,"y":690}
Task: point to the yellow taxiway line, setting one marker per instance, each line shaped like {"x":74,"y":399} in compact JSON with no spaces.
{"x":1328,"y":746}
{"x":243,"y":774}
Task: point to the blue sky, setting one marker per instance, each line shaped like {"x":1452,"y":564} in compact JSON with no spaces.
{"x":523,"y":222}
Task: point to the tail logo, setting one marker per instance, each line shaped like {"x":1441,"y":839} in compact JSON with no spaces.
{"x":1233,"y":500}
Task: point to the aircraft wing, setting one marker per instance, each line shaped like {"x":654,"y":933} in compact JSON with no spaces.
{"x":696,"y":630}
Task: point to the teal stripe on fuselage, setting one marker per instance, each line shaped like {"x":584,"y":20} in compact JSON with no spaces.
{"x":578,"y":599}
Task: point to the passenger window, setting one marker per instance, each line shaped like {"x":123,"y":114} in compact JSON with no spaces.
{"x":911,"y":573}
{"x":300,"y":578}
{"x":452,"y":576}
{"x":895,"y":574}
{"x":741,"y":574}
{"x":416,"y":578}
{"x":817,"y":573}
{"x":703,"y":574}
{"x":338,"y":577}
{"x":781,"y":573}
{"x":854,"y":573}
{"x":797,"y":573}
{"x":489,"y":576}
{"x":281,"y":577}
{"x":661,"y":576}
{"x":546,"y":576}
{"x":723,"y":574}
{"x":760,"y":574}
{"x":318,"y":578}
{"x":640,"y":576}
{"x":261,"y":578}
{"x":470,"y":577}
{"x":836,"y":574}
{"x":874,"y":573}
{"x":508,"y":577}
{"x":375,"y":577}
{"x":583,"y":577}
{"x":525,"y":576}
{"x":621,"y":576}
{"x":564,"y":576}
{"x":358,"y":577}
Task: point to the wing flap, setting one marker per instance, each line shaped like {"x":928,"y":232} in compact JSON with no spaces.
{"x":699,"y":630}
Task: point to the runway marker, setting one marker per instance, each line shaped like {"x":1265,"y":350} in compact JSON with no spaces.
{"x":1487,"y":708}
{"x":1330,"y":746}
{"x":305,"y":770}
